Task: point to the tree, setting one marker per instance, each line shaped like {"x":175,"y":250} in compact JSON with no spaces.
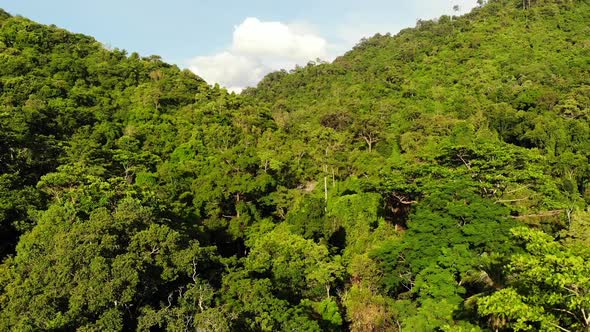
{"x":369,"y":129}
{"x":549,"y":289}
{"x":294,"y":263}
{"x":102,"y":270}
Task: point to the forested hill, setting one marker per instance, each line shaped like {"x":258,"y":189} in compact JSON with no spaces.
{"x":435,"y":180}
{"x":524,"y":71}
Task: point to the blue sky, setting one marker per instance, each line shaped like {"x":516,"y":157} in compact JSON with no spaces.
{"x":233,"y":43}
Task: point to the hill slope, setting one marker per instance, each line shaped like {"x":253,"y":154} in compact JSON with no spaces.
{"x":517,"y":69}
{"x":433,"y":180}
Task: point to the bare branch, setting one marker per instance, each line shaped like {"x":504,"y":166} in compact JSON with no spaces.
{"x":402,"y":199}
{"x":559,"y":327}
{"x":567,"y":312}
{"x":511,"y":200}
{"x":464,"y":162}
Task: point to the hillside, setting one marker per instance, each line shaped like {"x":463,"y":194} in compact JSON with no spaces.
{"x":435,"y":180}
{"x":524,"y":72}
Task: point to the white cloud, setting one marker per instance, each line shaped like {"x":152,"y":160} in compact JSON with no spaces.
{"x":233,"y":71}
{"x":275,"y":39}
{"x":258,"y":48}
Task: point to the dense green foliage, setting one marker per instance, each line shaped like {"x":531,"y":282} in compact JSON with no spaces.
{"x":436,"y":180}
